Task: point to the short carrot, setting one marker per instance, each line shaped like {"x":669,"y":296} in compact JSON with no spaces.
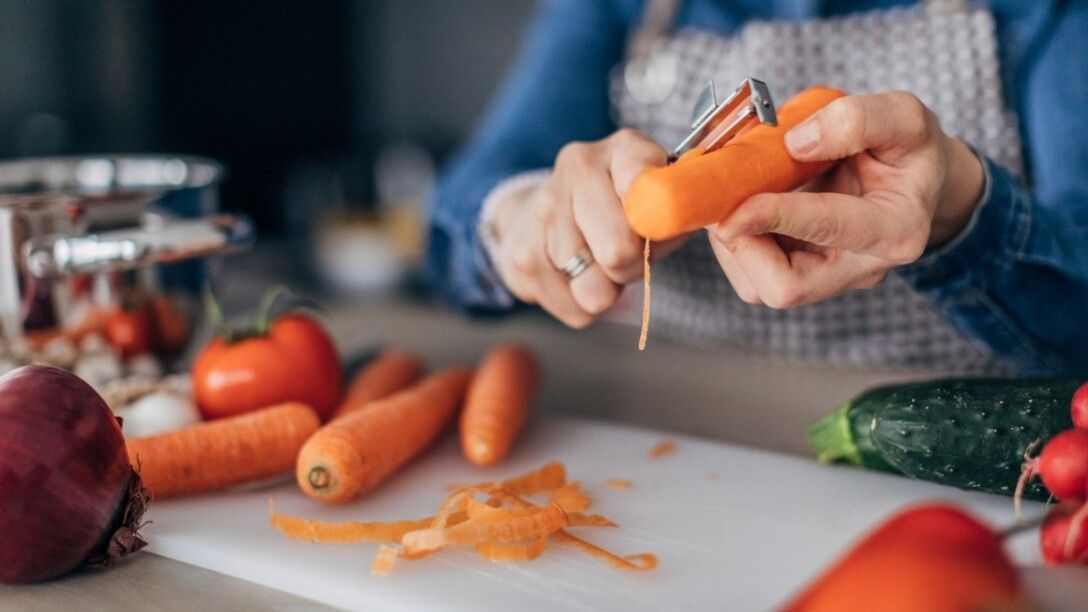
{"x":356,"y":452}
{"x":390,"y":372}
{"x":223,"y":453}
{"x":703,"y":188}
{"x":498,"y":403}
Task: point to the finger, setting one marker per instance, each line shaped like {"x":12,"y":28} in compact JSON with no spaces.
{"x":787,"y":280}
{"x":866,"y":225}
{"x":630,"y":154}
{"x":554,"y":295}
{"x":736,"y":275}
{"x":593,"y":291}
{"x":891,"y":122}
{"x":598,"y":215}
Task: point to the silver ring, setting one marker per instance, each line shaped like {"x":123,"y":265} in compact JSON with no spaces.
{"x":577,"y":264}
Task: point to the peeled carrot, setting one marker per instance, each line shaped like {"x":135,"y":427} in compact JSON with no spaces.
{"x":934,"y":557}
{"x":225,"y":452}
{"x":356,"y":452}
{"x":498,"y":403}
{"x":390,"y":372}
{"x":701,"y":189}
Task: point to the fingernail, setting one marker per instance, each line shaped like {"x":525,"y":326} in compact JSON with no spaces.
{"x":803,"y":138}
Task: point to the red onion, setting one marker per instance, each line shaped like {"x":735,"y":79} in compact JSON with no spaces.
{"x":67,"y":493}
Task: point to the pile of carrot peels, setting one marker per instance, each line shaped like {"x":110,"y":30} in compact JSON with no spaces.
{"x":493,"y":517}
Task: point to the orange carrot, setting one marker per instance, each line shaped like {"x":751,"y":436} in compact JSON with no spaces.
{"x":356,"y":452}
{"x":701,"y":189}
{"x":498,"y":403}
{"x":225,"y":452}
{"x":390,"y":372}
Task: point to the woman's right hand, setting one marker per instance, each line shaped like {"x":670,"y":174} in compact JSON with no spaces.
{"x":579,"y":206}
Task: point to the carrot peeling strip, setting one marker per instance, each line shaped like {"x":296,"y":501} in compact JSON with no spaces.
{"x":551,"y":476}
{"x":639,"y":562}
{"x":618,"y":483}
{"x":571,"y":497}
{"x":502,"y":552}
{"x":577,"y":519}
{"x":663,"y":449}
{"x":644,"y":332}
{"x":384,"y":560}
{"x":351,"y":532}
{"x":492,"y":517}
{"x":645,"y":561}
{"x":532,"y":525}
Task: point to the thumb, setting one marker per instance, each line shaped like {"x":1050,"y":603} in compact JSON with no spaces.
{"x":887,"y":122}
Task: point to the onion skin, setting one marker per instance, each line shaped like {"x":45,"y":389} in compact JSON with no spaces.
{"x":67,"y":493}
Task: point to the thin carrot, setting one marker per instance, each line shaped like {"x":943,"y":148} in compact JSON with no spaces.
{"x":703,"y":188}
{"x":225,"y":452}
{"x":390,"y":372}
{"x":356,"y":452}
{"x":498,"y":403}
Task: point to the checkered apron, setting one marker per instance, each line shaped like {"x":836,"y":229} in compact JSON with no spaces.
{"x":943,"y":51}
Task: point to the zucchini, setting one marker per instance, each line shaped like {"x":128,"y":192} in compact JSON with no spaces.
{"x":971,"y":433}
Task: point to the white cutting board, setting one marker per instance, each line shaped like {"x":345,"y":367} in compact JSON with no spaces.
{"x":733,"y":528}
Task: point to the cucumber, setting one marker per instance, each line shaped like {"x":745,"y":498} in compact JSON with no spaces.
{"x":970,"y":433}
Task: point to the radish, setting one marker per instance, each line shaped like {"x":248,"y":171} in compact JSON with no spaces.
{"x":1080,"y":407}
{"x":1063,"y":466}
{"x":1057,"y":538}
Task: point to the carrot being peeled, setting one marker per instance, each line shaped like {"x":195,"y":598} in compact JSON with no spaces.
{"x":703,"y":188}
{"x":390,"y":372}
{"x":225,"y":452}
{"x":356,"y":452}
{"x":498,"y":403}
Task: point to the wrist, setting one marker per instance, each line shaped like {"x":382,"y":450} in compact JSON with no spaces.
{"x":964,"y":184}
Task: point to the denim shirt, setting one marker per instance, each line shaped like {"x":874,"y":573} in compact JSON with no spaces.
{"x":1016,"y":278}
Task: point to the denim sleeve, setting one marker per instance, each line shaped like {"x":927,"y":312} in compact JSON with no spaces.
{"x":557,"y":91}
{"x":1017,"y":277}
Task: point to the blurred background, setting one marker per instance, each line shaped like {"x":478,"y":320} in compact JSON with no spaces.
{"x":324,"y":111}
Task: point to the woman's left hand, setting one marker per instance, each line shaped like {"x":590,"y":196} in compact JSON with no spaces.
{"x":902,"y":185}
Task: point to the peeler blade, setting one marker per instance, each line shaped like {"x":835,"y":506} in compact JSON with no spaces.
{"x":713,"y":124}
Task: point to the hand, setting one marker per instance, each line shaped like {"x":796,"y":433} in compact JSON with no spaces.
{"x":902,"y":185}
{"x":578,"y":206}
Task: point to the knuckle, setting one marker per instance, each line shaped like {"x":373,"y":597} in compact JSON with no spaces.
{"x":783,"y":296}
{"x":617,"y":255}
{"x":523,"y":260}
{"x":846,"y":116}
{"x":873,"y":280}
{"x":908,"y":248}
{"x":917,"y":120}
{"x":823,"y":230}
{"x":574,"y":155}
{"x":626,"y":135}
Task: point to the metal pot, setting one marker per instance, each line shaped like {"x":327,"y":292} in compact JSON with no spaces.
{"x":94,"y":228}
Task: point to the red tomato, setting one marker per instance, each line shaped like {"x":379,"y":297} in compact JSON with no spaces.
{"x":1080,"y":407}
{"x":129,"y":331}
{"x":294,"y":361}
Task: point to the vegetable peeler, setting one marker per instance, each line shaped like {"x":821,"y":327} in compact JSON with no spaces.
{"x":715,"y":123}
